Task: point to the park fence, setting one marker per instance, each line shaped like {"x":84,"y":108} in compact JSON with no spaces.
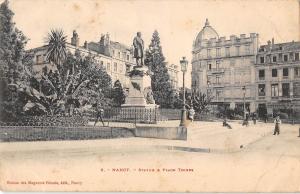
{"x":140,"y":114}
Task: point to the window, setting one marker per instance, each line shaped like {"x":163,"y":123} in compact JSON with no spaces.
{"x":113,"y":52}
{"x":218,"y":94}
{"x":218,"y":50}
{"x":274,"y":59}
{"x":261,"y":89}
{"x":108,"y":67}
{"x":39,"y":59}
{"x":280,"y":57}
{"x":261,"y":74}
{"x":274,"y":72}
{"x":297,"y":72}
{"x":45,"y":58}
{"x":217,"y":65}
{"x":285,"y":58}
{"x":208,"y":53}
{"x":262,"y":59}
{"x":119,"y":55}
{"x":217,"y":80}
{"x":291,"y":56}
{"x":237,"y":51}
{"x":247,"y":49}
{"x":285,"y":72}
{"x":115,"y":67}
{"x":127,"y":68}
{"x":121,"y":68}
{"x":227,"y":51}
{"x":127,"y":57}
{"x":274,"y":90}
{"x":296,"y":56}
{"x":209,"y":66}
{"x":296,"y":89}
{"x":285,"y":89}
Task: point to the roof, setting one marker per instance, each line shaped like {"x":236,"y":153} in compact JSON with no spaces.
{"x":119,"y":45}
{"x":286,"y":46}
{"x":97,"y":47}
{"x":206,"y":33}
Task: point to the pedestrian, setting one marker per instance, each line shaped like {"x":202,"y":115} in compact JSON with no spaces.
{"x":266,"y":117}
{"x":246,"y":120}
{"x":254,"y":118}
{"x":191,"y":114}
{"x":100,"y":112}
{"x":277,"y":122}
{"x":225,"y":124}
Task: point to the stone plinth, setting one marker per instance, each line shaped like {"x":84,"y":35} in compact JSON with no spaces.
{"x":140,"y":93}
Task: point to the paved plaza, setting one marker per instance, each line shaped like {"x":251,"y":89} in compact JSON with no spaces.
{"x":212,"y":159}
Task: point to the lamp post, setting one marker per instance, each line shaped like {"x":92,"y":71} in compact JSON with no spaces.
{"x":244,"y":94}
{"x":208,"y":89}
{"x":183,"y":64}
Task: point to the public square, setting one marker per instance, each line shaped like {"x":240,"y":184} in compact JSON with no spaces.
{"x":214,"y":158}
{"x":137,"y":96}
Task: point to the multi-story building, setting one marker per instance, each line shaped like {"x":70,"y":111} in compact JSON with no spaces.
{"x":121,"y":57}
{"x":223,"y":67}
{"x":173,"y":73}
{"x":278,"y":77}
{"x":115,"y":57}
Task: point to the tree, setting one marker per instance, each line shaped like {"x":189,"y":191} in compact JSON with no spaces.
{"x":14,"y":63}
{"x":200,"y":102}
{"x":118,"y":94}
{"x":57,"y":50}
{"x":163,"y":91}
{"x":84,"y":84}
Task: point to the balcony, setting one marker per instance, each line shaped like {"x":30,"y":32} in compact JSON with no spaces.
{"x":217,"y":85}
{"x":216,"y":70}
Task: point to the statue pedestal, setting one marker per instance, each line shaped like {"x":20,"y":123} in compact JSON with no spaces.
{"x":139,"y":103}
{"x":140,"y":93}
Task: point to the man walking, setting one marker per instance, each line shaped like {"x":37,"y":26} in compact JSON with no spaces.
{"x":254,"y":118}
{"x":100,"y":112}
{"x":277,"y":122}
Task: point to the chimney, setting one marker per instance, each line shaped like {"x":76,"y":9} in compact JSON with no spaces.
{"x":269,"y":45}
{"x":85,"y":45}
{"x":75,"y":39}
{"x":102,"y":40}
{"x":107,"y":39}
{"x":272,"y":42}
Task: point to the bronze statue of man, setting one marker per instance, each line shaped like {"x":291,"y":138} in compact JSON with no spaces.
{"x":138,"y":54}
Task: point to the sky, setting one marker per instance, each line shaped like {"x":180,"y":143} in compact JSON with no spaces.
{"x":178,"y":22}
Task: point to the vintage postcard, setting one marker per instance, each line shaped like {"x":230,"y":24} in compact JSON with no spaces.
{"x":150,"y":96}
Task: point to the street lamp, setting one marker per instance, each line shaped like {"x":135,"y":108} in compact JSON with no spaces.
{"x":184,"y":64}
{"x":244,"y":94}
{"x":208,"y":88}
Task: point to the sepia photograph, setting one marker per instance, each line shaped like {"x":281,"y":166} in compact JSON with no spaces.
{"x":150,"y":96}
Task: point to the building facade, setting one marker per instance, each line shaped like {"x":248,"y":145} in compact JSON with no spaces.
{"x":173,"y":73}
{"x":114,"y":57}
{"x":224,"y":68}
{"x":277,"y":74}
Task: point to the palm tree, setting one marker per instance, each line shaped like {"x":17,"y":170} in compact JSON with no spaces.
{"x":57,"y":50}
